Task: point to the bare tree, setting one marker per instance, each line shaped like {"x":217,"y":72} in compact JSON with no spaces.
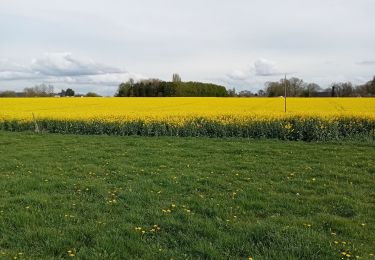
{"x":176,"y":78}
{"x":41,"y":90}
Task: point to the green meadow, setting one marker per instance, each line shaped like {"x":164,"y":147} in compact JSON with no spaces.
{"x":103,"y":197}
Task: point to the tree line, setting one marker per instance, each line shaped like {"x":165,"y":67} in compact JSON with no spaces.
{"x":176,"y":88}
{"x":44,"y":90}
{"x":296,"y":87}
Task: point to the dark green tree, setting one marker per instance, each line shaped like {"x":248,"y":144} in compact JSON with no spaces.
{"x":69,"y":92}
{"x":126,"y":89}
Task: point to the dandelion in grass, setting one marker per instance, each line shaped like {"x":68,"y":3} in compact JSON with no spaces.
{"x":71,"y":253}
{"x":346,"y":254}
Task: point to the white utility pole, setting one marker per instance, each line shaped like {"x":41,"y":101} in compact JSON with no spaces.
{"x":285,"y":94}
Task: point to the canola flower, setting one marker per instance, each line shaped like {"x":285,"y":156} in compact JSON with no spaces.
{"x":306,"y":119}
{"x":180,"y":108}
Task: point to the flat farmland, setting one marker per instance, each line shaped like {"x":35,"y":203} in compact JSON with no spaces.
{"x":307,"y":119}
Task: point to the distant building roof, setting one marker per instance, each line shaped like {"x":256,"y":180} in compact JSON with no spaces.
{"x":324,"y":94}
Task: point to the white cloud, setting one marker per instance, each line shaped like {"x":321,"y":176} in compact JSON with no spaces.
{"x":239,"y":74}
{"x":114,"y":78}
{"x":261,"y":67}
{"x":254,"y":76}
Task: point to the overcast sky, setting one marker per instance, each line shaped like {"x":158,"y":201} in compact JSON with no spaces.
{"x":93,"y":45}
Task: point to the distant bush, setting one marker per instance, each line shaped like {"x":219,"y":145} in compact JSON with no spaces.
{"x":8,"y":93}
{"x":92,"y":94}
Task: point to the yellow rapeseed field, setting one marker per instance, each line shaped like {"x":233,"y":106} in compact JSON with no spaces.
{"x":180,"y":109}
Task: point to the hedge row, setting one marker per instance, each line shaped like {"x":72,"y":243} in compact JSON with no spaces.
{"x":298,"y":128}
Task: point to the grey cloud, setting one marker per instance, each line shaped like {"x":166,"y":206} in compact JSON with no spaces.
{"x":265,"y":67}
{"x":367,"y":63}
{"x":109,"y":79}
{"x":64,"y":64}
{"x":197,"y":39}
{"x":14,"y":71}
{"x":65,"y":68}
{"x":6,"y":65}
{"x":17,"y":75}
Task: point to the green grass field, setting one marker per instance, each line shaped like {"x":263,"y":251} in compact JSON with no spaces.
{"x":100,"y":197}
